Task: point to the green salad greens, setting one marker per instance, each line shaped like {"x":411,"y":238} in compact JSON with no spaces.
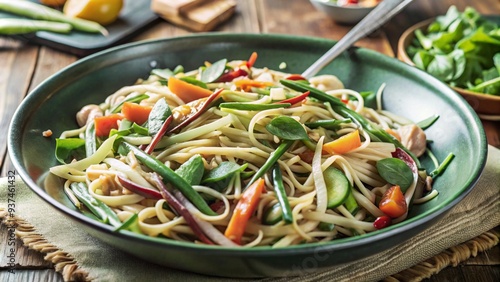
{"x":461,"y":49}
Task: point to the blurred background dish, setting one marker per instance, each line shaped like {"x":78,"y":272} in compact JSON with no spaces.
{"x":345,"y":11}
{"x":486,"y":105}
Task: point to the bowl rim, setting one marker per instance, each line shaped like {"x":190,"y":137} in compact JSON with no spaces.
{"x":403,"y":43}
{"x":15,"y":132}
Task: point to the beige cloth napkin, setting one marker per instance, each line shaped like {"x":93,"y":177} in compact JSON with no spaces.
{"x":476,"y":214}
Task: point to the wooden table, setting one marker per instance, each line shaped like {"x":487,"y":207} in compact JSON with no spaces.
{"x":24,"y":66}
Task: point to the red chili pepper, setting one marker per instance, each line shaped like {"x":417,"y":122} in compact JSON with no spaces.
{"x":294,"y":100}
{"x":382,"y":222}
{"x":231,"y":75}
{"x":251,"y":60}
{"x":295,"y":77}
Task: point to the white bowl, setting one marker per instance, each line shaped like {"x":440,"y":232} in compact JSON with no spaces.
{"x":350,"y":14}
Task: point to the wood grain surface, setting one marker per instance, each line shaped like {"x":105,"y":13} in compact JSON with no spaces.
{"x":24,"y":66}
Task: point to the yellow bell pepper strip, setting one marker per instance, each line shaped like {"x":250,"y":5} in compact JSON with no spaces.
{"x":244,"y":210}
{"x":343,"y":144}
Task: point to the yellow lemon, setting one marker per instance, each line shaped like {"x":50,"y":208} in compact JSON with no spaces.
{"x":100,"y":11}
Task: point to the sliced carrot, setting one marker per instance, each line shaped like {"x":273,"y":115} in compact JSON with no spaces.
{"x":186,"y":91}
{"x":103,"y":125}
{"x":393,"y":203}
{"x":251,"y":60}
{"x":135,"y":112}
{"x":247,"y":84}
{"x":344,"y":144}
{"x":244,"y":210}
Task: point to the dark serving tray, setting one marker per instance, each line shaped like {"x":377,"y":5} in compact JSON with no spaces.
{"x":135,"y":15}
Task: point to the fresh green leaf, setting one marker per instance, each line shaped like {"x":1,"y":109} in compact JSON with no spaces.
{"x":287,"y":128}
{"x":441,"y":67}
{"x":396,"y":172}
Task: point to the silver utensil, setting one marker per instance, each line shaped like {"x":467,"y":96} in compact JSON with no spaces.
{"x":377,"y":17}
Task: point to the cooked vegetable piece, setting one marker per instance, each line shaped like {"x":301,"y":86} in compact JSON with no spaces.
{"x":243,"y":211}
{"x":296,"y":99}
{"x":393,"y":202}
{"x":279,"y":190}
{"x":135,"y":112}
{"x":90,"y":140}
{"x":272,"y":215}
{"x":104,"y":124}
{"x":338,"y":187}
{"x":343,"y":144}
{"x":192,"y":170}
{"x":186,"y":91}
{"x":156,"y":118}
{"x":132,"y":224}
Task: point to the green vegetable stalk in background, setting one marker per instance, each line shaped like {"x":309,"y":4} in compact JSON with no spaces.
{"x":461,"y":49}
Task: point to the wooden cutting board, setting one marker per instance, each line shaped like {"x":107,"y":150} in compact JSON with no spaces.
{"x":196,"y":15}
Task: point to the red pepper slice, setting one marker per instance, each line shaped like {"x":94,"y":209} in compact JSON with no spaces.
{"x":294,"y":100}
{"x":231,"y":75}
{"x":295,"y":77}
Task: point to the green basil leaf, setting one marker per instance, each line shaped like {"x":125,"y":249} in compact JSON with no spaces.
{"x":396,"y":172}
{"x":287,"y":128}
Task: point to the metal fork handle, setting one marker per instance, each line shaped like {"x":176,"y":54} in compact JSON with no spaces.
{"x":377,"y":17}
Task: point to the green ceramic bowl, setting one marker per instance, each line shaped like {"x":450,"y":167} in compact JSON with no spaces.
{"x":409,"y":92}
